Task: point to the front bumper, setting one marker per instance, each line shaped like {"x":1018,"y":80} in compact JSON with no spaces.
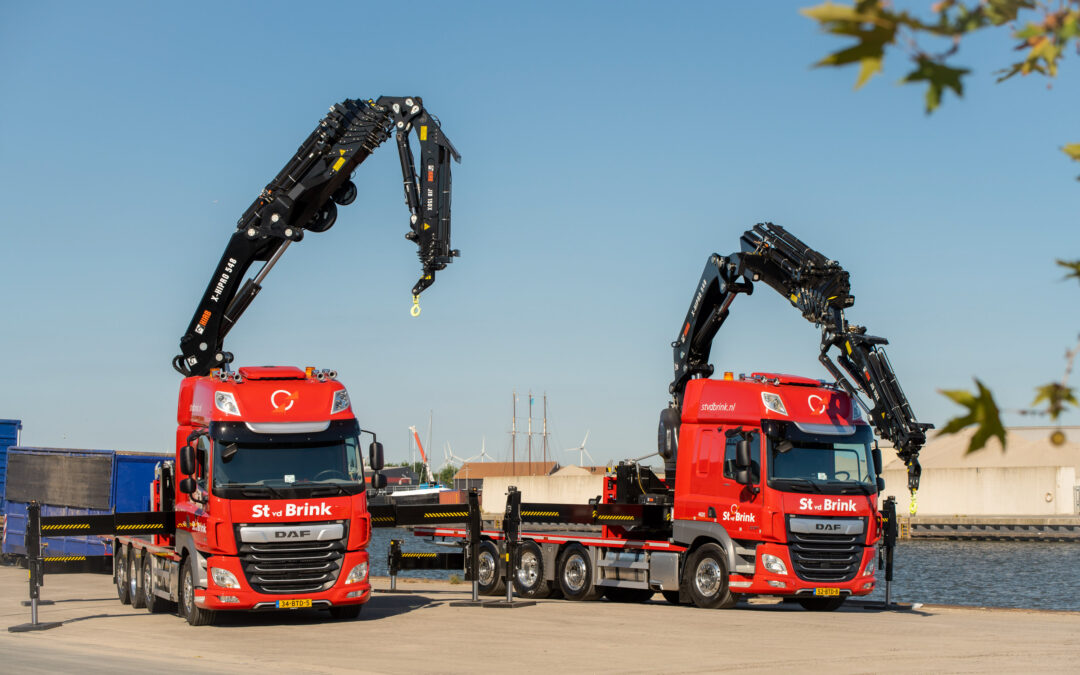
{"x":215,"y":597}
{"x":763,"y":582}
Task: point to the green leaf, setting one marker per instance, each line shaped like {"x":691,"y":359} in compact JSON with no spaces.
{"x":982,"y":413}
{"x":1056,"y":396}
{"x":828,"y":12}
{"x":938,"y":77}
{"x":1073,"y":265}
{"x":1004,"y":11}
{"x":1072,"y":150}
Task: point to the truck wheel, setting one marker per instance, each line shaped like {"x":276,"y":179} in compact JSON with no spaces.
{"x":529,"y":579}
{"x":821,"y":604}
{"x":195,"y":615}
{"x":153,"y":603}
{"x":615,"y":594}
{"x":707,"y":578}
{"x":345,"y":612}
{"x":489,"y":581}
{"x":134,"y":577}
{"x":120,"y":572}
{"x":575,"y":573}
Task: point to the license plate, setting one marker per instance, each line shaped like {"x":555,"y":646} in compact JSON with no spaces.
{"x":826,"y":591}
{"x":294,"y":604}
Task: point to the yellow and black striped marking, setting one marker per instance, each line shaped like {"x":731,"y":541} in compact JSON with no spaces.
{"x":65,"y":558}
{"x":449,"y":514}
{"x":540,"y":514}
{"x":139,"y":526}
{"x":419,"y":555}
{"x":66,"y":526}
{"x":603,"y":516}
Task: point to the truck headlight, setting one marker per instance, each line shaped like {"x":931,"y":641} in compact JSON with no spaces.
{"x":773,"y":402}
{"x":358,"y":574}
{"x":871,"y":567}
{"x":226,"y":403}
{"x":341,"y":401}
{"x":773,"y":564}
{"x":224,"y":578}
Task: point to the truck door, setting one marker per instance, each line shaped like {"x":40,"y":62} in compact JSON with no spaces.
{"x":742,"y":510}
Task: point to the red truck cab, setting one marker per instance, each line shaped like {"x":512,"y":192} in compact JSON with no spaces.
{"x":269,"y":495}
{"x":797,"y":515}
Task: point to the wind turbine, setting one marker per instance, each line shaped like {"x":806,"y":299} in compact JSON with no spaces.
{"x":582,"y":452}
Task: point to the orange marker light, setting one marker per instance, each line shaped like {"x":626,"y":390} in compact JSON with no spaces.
{"x":729,"y":376}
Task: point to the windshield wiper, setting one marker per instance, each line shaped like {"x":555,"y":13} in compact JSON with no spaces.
{"x":802,"y":481}
{"x":334,"y":487}
{"x":850,"y":486}
{"x":255,"y":489}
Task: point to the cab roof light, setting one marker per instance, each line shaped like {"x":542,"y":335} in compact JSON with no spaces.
{"x":728,"y":375}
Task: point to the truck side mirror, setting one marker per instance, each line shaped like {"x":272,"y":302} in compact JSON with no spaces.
{"x":876,"y":452}
{"x":667,"y":436}
{"x":880,"y":484}
{"x":187,"y":485}
{"x":378,"y":481}
{"x":742,"y":462}
{"x":375,"y":456}
{"x":742,"y":454}
{"x":187,"y":463}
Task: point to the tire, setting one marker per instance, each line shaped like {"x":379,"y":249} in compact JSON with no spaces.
{"x":324,"y":218}
{"x":615,"y":594}
{"x":120,"y":572}
{"x":134,"y":577}
{"x":707,"y":578}
{"x":529,"y":579}
{"x":489,"y":581}
{"x":345,"y":612}
{"x":671,"y":596}
{"x":822,"y":604}
{"x":195,"y":615}
{"x":153,"y":603}
{"x":574,"y":571}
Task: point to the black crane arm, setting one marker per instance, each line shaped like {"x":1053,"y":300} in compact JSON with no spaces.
{"x":304,"y":197}
{"x":820,"y":289}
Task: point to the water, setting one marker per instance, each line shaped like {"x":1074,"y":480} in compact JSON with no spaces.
{"x":1029,"y":575}
{"x":380,"y":548}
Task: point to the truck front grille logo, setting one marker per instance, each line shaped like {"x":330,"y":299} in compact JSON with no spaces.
{"x":283,"y":400}
{"x":828,"y":526}
{"x":293,"y":534}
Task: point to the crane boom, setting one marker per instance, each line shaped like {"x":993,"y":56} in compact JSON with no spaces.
{"x":820,"y":289}
{"x":304,"y":197}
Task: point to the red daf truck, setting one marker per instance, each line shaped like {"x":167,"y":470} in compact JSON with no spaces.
{"x":267,"y":486}
{"x":771,"y":481}
{"x":269,"y":496}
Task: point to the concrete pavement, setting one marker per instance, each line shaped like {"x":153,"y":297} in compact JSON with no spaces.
{"x":420,"y":632}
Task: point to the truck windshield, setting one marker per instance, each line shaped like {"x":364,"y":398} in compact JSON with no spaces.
{"x":288,"y":469}
{"x":807,"y":462}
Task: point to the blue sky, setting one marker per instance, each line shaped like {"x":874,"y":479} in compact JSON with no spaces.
{"x":608,"y":149}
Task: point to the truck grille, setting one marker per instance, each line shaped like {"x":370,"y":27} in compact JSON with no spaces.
{"x":826,"y":558}
{"x":292,"y":567}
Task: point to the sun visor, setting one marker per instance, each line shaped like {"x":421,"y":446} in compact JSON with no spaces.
{"x":284,"y":432}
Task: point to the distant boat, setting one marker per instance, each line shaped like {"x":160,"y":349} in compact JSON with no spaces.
{"x":424,"y":493}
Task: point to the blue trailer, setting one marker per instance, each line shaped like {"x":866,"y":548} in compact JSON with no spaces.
{"x":73,"y":482}
{"x":9,"y":436}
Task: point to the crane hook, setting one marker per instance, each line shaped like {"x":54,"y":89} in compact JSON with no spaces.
{"x":415,"y":311}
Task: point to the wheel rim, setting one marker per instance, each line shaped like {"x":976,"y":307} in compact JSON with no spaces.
{"x":575,"y":572}
{"x":707,"y":578}
{"x":148,"y":580}
{"x":529,"y":569}
{"x":132,"y":577}
{"x":487,"y":568}
{"x":189,"y":591}
{"x":121,"y":575}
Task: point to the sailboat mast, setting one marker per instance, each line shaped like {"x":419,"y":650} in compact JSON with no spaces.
{"x":513,"y":434}
{"x":545,"y":428}
{"x":530,"y":430}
